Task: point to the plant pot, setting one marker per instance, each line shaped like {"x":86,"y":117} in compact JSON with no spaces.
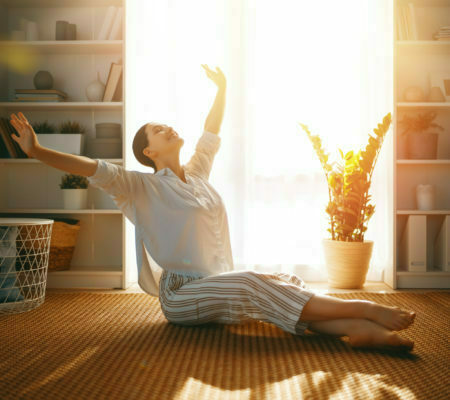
{"x":422,"y":145}
{"x":105,"y":148}
{"x":402,"y":150}
{"x":75,"y":199}
{"x":108,"y":130}
{"x":347,"y":262}
{"x":72,"y":143}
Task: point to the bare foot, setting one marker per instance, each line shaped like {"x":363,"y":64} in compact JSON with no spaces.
{"x":393,"y":318}
{"x":370,"y":334}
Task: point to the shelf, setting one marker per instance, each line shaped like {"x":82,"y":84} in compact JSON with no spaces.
{"x":425,"y":46}
{"x":65,"y":105}
{"x":427,"y":273}
{"x":427,"y":3}
{"x":424,"y":212}
{"x":441,"y":105}
{"x":437,"y":280}
{"x":57,"y":211}
{"x":60,"y":3}
{"x":65,"y":46}
{"x":102,"y":260}
{"x":34,"y":160}
{"x":89,"y":270}
{"x":86,"y":277}
{"x":437,"y":161}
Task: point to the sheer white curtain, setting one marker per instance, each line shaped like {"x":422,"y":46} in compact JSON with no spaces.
{"x":325,"y":64}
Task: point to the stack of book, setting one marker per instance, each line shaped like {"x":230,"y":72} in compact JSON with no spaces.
{"x":37,"y":95}
{"x":443,"y":33}
{"x":9,"y":148}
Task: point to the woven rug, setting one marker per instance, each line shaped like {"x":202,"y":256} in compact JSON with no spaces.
{"x":120,"y":346}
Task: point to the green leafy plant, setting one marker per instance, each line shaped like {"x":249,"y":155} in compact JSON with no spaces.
{"x":349,"y":183}
{"x":43,"y":127}
{"x":71,"y":127}
{"x":72,"y":181}
{"x":419,"y":123}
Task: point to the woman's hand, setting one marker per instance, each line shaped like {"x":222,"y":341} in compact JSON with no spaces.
{"x":217,"y":77}
{"x":27,"y":138}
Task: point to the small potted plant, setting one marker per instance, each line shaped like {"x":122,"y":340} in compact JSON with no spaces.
{"x":45,"y":133}
{"x":420,"y":144}
{"x":347,"y":254}
{"x":70,"y":138}
{"x":74,"y":188}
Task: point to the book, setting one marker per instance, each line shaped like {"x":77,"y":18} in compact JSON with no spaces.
{"x":20,"y":153}
{"x":407,"y":23}
{"x":116,"y":30}
{"x":118,"y":93}
{"x":7,"y":140}
{"x":442,"y":246}
{"x":413,"y":244}
{"x":31,"y":99}
{"x":115,"y":72}
{"x":412,"y":13}
{"x":404,"y":23}
{"x":107,"y":23}
{"x":45,"y":95}
{"x":42,"y":91}
{"x":4,"y":153}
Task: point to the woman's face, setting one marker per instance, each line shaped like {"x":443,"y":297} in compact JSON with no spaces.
{"x":162,"y":139}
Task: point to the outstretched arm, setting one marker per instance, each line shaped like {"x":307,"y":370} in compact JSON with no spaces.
{"x":215,"y":116}
{"x":27,"y":140}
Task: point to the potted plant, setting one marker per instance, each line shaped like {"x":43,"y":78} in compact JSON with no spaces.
{"x":70,"y":138}
{"x":420,"y":144}
{"x":347,"y":254}
{"x":74,"y":188}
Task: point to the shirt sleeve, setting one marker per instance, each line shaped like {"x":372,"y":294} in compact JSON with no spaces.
{"x":201,"y":162}
{"x":118,"y":182}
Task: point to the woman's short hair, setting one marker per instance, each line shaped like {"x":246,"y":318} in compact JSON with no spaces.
{"x":140,"y":142}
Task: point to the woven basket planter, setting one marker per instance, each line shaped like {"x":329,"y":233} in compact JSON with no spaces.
{"x":347,"y":262}
{"x":62,"y":245}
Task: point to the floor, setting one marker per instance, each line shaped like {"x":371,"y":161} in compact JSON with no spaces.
{"x":319,"y":287}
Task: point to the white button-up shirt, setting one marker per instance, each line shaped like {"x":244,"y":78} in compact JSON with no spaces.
{"x":181,"y":227}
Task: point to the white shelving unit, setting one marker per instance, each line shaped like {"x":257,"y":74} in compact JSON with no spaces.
{"x":29,"y":187}
{"x":413,"y":61}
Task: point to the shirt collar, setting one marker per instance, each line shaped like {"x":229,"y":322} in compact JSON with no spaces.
{"x":168,"y":171}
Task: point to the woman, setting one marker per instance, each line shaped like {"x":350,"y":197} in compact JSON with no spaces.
{"x":183,"y":224}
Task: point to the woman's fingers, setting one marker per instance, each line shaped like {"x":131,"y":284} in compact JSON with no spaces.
{"x":207,"y":68}
{"x":17,"y":123}
{"x":22,"y":117}
{"x":17,"y":120}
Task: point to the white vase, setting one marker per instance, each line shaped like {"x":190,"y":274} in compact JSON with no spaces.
{"x":95,"y":90}
{"x":75,"y":199}
{"x":425,"y":197}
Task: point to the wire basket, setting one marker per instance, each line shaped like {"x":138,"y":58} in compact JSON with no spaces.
{"x":24,"y":255}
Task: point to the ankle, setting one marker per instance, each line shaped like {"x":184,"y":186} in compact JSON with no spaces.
{"x":366,"y":309}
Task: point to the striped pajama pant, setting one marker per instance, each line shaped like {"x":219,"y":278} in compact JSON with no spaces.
{"x":233,"y":297}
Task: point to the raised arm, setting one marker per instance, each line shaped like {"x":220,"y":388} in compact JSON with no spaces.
{"x":27,"y":139}
{"x":215,"y":116}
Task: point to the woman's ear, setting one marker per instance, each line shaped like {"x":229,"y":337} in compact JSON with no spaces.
{"x":151,"y":153}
